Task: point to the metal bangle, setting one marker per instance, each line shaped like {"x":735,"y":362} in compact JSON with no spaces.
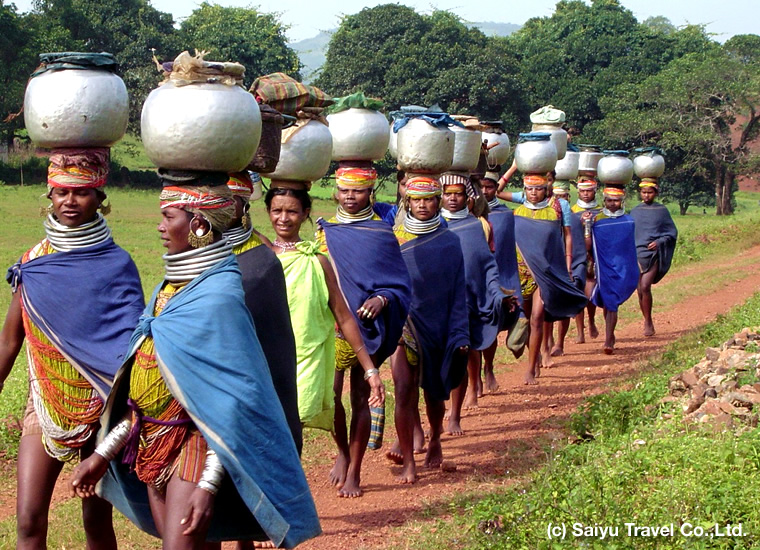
{"x":213,"y":473}
{"x":115,"y":440}
{"x":369,"y":373}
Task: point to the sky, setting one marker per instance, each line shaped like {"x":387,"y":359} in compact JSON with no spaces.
{"x":306,"y":19}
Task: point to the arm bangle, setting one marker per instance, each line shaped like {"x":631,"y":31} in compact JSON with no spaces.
{"x":114,"y":441}
{"x":369,"y":373}
{"x":213,"y":473}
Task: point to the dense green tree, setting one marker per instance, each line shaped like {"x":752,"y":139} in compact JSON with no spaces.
{"x":255,"y":39}
{"x":706,"y":105}
{"x":392,"y":52}
{"x":16,"y":62}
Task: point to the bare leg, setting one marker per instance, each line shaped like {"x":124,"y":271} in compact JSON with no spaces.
{"x":546,"y":345}
{"x":593,"y":331}
{"x":359,"y":435}
{"x":455,"y":410}
{"x":488,"y":356}
{"x":406,"y":393}
{"x":610,"y":321}
{"x":645,"y":298}
{"x":97,"y":516}
{"x":475,"y":389}
{"x":36,"y":477}
{"x":175,"y":509}
{"x":339,"y":469}
{"x":435,"y":410}
{"x":559,"y":347}
{"x":580,"y":328}
{"x":535,"y":339}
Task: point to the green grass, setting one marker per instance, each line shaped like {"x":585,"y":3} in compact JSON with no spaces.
{"x":641,"y":464}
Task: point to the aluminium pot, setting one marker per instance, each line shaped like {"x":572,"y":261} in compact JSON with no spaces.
{"x":358,"y":134}
{"x":467,"y":146}
{"x":615,"y":168}
{"x":567,"y":167}
{"x":424,"y":148}
{"x":201,"y":126}
{"x":649,"y":165}
{"x":76,"y":108}
{"x":558,"y":136}
{"x":588,"y":159}
{"x":535,"y":153}
{"x":305,"y":156}
{"x":499,"y":153}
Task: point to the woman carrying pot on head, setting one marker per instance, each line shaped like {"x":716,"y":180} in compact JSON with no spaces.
{"x":656,"y":236}
{"x":316,"y":305}
{"x":587,"y":203}
{"x":375,"y":283}
{"x":76,"y":299}
{"x":544,"y":257}
{"x":197,"y":445}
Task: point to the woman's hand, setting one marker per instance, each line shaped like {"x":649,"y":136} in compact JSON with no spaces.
{"x":652,"y":245}
{"x":200,"y":510}
{"x":587,"y":215}
{"x":87,"y":474}
{"x":463,"y":350}
{"x":371,"y":308}
{"x":377,"y":391}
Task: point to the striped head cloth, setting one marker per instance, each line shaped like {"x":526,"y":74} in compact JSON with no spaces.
{"x":420,"y":187}
{"x":241,"y":184}
{"x":614,"y":192}
{"x":649,"y":182}
{"x":585,"y":182}
{"x":535,"y":180}
{"x":213,"y":203}
{"x":356,"y":178}
{"x":454,"y":183}
{"x":78,"y":168}
{"x":560,"y":187}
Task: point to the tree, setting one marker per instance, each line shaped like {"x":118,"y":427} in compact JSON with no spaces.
{"x":256,"y":40}
{"x":392,"y":52}
{"x":704,"y":104}
{"x":16,"y":63}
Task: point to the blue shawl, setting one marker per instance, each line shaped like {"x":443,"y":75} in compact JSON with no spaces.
{"x":386,"y":211}
{"x":580,"y":254}
{"x":617,"y":271}
{"x":368,"y":262}
{"x":654,"y":223}
{"x":212,"y":362}
{"x":87,"y":303}
{"x":438,"y":314}
{"x":503,"y":221}
{"x":543,"y":248}
{"x":484,"y":295}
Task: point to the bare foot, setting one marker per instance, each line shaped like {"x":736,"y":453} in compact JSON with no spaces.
{"x":339,"y":470}
{"x":454,"y":428}
{"x":557,"y":351}
{"x":546,"y":360}
{"x":419,"y":442}
{"x":537,"y":370}
{"x":580,"y":339}
{"x":394,"y":454}
{"x":593,"y":332}
{"x":649,"y":331}
{"x":408,"y":474}
{"x":434,"y":456}
{"x":263,"y":544}
{"x":351,"y":488}
{"x":470,"y":400}
{"x":491,"y":384}
{"x":608,"y":350}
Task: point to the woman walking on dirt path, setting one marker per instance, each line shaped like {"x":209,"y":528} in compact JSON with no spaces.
{"x":586,"y":202}
{"x":375,"y":284}
{"x":656,"y":236}
{"x":76,"y":299}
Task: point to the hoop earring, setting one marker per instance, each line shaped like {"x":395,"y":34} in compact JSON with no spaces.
{"x":46,"y":211}
{"x":104,"y":208}
{"x":246,"y":221}
{"x":199,"y":239}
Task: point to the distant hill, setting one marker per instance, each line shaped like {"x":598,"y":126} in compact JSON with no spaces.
{"x":312,"y":51}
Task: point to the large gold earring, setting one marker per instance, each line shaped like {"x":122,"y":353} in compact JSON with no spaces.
{"x":246,"y":221}
{"x":46,"y":211}
{"x":199,"y":239}
{"x":104,"y":208}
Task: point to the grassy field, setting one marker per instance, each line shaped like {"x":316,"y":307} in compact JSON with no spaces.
{"x":133,"y":221}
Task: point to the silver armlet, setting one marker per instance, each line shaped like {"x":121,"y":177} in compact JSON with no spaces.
{"x":115,"y":440}
{"x":213,"y":473}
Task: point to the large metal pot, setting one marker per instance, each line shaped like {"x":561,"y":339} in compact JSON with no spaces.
{"x":499,"y":153}
{"x":358,"y":134}
{"x":76,"y":108}
{"x":393,"y":142}
{"x":200,"y":126}
{"x":535,"y":153}
{"x":424,"y":148}
{"x":649,"y":165}
{"x":588,"y":159}
{"x":305,"y":156}
{"x":567,"y":168}
{"x":558,"y":136}
{"x":467,"y":145}
{"x":615,"y":168}
{"x":268,"y":153}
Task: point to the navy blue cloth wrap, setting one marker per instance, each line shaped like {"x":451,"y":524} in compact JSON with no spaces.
{"x":654,"y":223}
{"x":542,"y":247}
{"x":503,"y":221}
{"x":617,"y":271}
{"x":211,"y":360}
{"x":438,"y":315}
{"x":368,"y":262}
{"x":484,"y":295}
{"x":579,"y":252}
{"x":87,"y":302}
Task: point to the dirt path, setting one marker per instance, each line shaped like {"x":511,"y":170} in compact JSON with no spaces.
{"x":506,"y":436}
